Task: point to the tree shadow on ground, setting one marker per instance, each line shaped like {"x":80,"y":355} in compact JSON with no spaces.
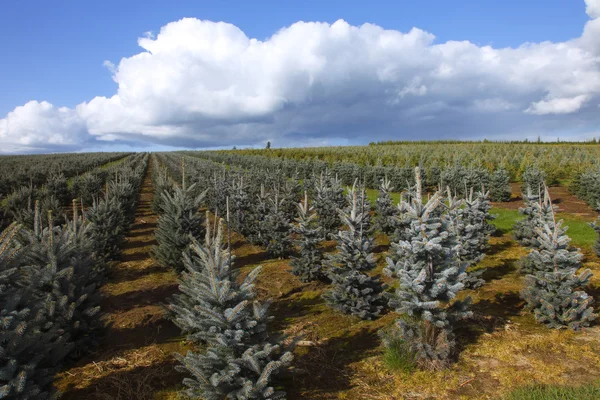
{"x":499,"y":271}
{"x":285,"y":312}
{"x":488,"y":315}
{"x":119,"y":276}
{"x":139,"y":383}
{"x":251,"y":259}
{"x":318,"y":371}
{"x":135,"y":256}
{"x":149,"y":231}
{"x":499,"y":247}
{"x":381,"y":248}
{"x":136,"y":298}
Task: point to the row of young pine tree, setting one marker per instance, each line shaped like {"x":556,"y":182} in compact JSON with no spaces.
{"x":235,"y":356}
{"x":56,"y":193}
{"x":49,"y":280}
{"x":435,"y":241}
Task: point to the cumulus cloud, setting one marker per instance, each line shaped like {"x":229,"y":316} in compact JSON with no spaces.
{"x":202,"y":83}
{"x":592,"y":8}
{"x":38,"y":126}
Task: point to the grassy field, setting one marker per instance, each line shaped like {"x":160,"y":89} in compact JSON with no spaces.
{"x":555,"y":392}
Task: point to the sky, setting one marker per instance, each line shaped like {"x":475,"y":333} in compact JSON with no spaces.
{"x":156,"y":75}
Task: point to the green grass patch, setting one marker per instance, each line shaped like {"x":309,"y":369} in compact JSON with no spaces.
{"x":505,"y":219}
{"x":397,"y":357}
{"x":555,"y":392}
{"x":581,"y":234}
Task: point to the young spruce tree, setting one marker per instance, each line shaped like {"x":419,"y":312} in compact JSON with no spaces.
{"x":500,"y":186}
{"x":68,"y":273}
{"x":473,"y":232}
{"x":237,"y":361}
{"x":353,"y":291}
{"x":538,"y":213}
{"x":430,"y":276}
{"x":179,"y":222}
{"x":105,"y":217}
{"x":554,"y":291}
{"x":524,"y":229}
{"x":28,"y":336}
{"x":386,"y":211}
{"x":309,"y":265}
{"x":329,"y":198}
{"x":276,"y":227}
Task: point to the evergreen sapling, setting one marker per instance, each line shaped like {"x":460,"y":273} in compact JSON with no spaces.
{"x":430,"y":277}
{"x":177,"y":225}
{"x":329,"y":198}
{"x":276,"y":228}
{"x":28,"y":337}
{"x":387,"y":213}
{"x":500,"y":186}
{"x":238,"y":361}
{"x":553,"y":292}
{"x":353,"y":291}
{"x":309,"y":265}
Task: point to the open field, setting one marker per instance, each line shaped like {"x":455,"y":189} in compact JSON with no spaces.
{"x":501,"y":351}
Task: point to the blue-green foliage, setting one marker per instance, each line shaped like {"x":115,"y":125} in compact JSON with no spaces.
{"x":27,"y":335}
{"x":308,"y":266}
{"x":179,"y":222}
{"x":386,"y":211}
{"x":353,"y":291}
{"x":554,"y":290}
{"x":499,"y":186}
{"x":470,"y":223}
{"x":238,"y":360}
{"x":328,"y":199}
{"x":430,"y":276}
{"x":534,"y":179}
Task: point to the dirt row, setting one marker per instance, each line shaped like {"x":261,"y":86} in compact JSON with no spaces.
{"x":566,"y":202}
{"x":134,"y":357}
{"x":502,"y":347}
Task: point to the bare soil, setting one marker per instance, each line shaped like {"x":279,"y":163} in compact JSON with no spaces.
{"x":501,"y":348}
{"x":566,"y":202}
{"x":134,"y":359}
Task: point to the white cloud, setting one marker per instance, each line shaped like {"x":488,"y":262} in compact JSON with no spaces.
{"x":592,"y":8}
{"x":110,"y":66}
{"x":203,"y":83}
{"x":38,"y":125}
{"x":557,"y":106}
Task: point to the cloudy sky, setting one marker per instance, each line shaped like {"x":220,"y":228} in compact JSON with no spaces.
{"x":82,"y":76}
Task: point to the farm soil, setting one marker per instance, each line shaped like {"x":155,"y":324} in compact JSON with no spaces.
{"x":566,"y":202}
{"x":501,"y":348}
{"x":134,"y":358}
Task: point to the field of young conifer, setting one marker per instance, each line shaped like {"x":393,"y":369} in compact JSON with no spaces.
{"x":389,"y":271}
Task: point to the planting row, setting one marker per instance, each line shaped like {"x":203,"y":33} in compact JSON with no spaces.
{"x":435,"y":243}
{"x":34,"y":170}
{"x":50,"y":274}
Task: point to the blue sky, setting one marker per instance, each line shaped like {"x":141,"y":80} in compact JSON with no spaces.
{"x":54,"y":52}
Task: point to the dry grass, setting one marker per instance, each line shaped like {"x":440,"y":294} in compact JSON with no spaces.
{"x":134,"y":359}
{"x":502,"y":348}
